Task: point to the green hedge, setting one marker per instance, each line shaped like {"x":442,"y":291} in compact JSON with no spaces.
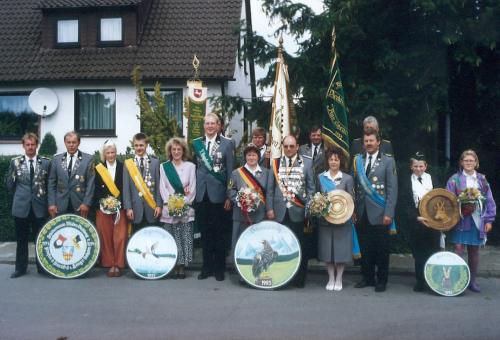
{"x":7,"y":232}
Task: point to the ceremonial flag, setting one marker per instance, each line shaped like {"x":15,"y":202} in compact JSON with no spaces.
{"x":196,"y":104}
{"x":335,"y":126}
{"x":283,"y":119}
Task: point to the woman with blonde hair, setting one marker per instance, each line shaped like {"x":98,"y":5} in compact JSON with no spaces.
{"x":477,"y":216}
{"x":178,"y":180}
{"x":111,"y":224}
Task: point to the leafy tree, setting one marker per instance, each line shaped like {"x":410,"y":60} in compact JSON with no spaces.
{"x":155,"y":122}
{"x":48,"y":147}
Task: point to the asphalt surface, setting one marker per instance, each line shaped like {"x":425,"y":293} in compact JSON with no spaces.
{"x":98,"y":307}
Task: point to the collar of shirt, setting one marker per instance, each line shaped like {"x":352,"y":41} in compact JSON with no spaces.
{"x":112,"y":169}
{"x":28,"y":161}
{"x":337,"y":178}
{"x":374,"y":157}
{"x":255,"y":171}
{"x":138,"y":158}
{"x":212,"y":140}
{"x":471,"y":180}
{"x":68,"y":159}
{"x":294,"y":158}
{"x":420,"y":189}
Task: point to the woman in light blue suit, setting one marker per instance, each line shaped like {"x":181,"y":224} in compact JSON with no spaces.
{"x":335,"y":242}
{"x":249,"y":175}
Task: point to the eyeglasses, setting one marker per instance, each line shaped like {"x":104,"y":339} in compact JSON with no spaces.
{"x":288,"y":146}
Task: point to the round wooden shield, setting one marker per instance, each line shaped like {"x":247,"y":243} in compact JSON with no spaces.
{"x":447,"y":273}
{"x":67,"y":246}
{"x":151,"y":253}
{"x":341,"y":208}
{"x":267,"y":255}
{"x":440,"y":208}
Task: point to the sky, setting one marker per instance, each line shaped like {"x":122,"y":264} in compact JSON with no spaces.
{"x":265,"y":27}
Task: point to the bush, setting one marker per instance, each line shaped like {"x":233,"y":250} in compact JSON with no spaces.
{"x":48,"y":148}
{"x":7,"y":230}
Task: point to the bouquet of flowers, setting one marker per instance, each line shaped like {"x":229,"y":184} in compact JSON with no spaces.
{"x":111,"y":205}
{"x":177,"y":205}
{"x":319,"y":205}
{"x":247,"y":199}
{"x":468,"y":200}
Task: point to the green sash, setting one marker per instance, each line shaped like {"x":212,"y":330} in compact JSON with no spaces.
{"x":201,"y":151}
{"x":173,"y":177}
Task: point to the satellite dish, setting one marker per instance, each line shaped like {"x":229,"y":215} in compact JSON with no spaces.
{"x":43,"y":101}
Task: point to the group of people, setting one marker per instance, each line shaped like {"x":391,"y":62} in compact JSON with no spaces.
{"x":210,"y":185}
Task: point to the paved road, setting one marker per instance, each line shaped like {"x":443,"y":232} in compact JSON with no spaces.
{"x":97,"y":307}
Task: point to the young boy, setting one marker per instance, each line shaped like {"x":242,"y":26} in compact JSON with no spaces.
{"x":423,"y":241}
{"x":141,"y":197}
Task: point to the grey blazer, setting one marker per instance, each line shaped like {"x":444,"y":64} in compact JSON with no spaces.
{"x":302,"y":168}
{"x":78,"y":189}
{"x":223,"y":158}
{"x":28,"y":196}
{"x":384,"y":179}
{"x":131,"y":198}
{"x":319,"y":160}
{"x":346,"y":184}
{"x":235,"y":184}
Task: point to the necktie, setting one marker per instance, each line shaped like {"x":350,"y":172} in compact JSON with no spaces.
{"x":289,"y":162}
{"x":315,"y":153}
{"x":420,"y":179}
{"x":369,"y":167}
{"x":141,"y":165}
{"x":32,"y":171}
{"x":70,"y":166}
{"x":208,"y":146}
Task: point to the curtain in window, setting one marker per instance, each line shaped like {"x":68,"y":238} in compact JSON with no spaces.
{"x":173,"y":105}
{"x":111,"y":29}
{"x":97,"y":110}
{"x":67,"y":31}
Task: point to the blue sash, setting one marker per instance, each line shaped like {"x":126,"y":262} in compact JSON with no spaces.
{"x":328,"y":185}
{"x":372,"y":194}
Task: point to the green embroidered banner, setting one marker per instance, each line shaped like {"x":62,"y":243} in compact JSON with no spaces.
{"x":335,"y":119}
{"x":196,"y":108}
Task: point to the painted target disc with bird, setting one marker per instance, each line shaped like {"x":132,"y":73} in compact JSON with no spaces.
{"x":267,"y":255}
{"x":151,"y":253}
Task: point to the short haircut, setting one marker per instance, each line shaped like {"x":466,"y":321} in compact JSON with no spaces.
{"x":72,"y":133}
{"x":211,"y":115}
{"x":370,"y":120}
{"x":30,"y":135}
{"x":369,"y":132}
{"x":314,"y":128}
{"x":186,"y":155}
{"x":469,"y":152}
{"x":251,"y":148}
{"x":258,"y":131}
{"x":335,"y":150}
{"x":107,"y":144}
{"x":140,"y":136}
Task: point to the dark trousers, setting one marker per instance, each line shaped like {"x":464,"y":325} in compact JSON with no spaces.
{"x":212,"y":223}
{"x":298,"y":230}
{"x":374,"y":244}
{"x":23,"y":228}
{"x":424,"y":242}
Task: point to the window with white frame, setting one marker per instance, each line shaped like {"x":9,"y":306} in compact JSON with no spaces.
{"x":16,"y":116}
{"x":173,"y":103}
{"x":111,"y":30}
{"x":95,"y":112}
{"x":67,"y":31}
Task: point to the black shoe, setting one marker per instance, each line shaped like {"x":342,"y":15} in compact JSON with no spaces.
{"x":16,"y":274}
{"x":380,"y":287}
{"x":419,"y":287}
{"x":300,"y":283}
{"x":363,"y":284}
{"x":203,"y":275}
{"x":219,"y":276}
{"x":180,"y":276}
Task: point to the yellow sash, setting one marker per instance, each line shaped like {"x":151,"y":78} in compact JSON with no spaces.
{"x":106,"y":178}
{"x":139,"y":183}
